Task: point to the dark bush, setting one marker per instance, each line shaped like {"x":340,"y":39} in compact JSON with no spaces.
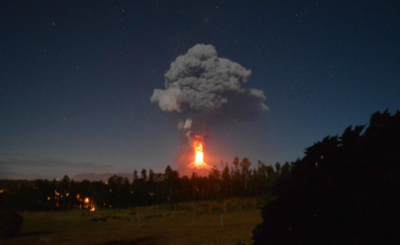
{"x":344,"y":191}
{"x":10,"y":223}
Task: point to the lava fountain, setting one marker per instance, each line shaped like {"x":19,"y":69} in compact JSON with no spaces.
{"x":198,"y":143}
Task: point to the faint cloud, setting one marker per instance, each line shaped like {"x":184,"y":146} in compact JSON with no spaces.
{"x":30,"y":167}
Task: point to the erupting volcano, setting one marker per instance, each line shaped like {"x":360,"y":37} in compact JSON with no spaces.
{"x":198,"y":163}
{"x":202,"y":90}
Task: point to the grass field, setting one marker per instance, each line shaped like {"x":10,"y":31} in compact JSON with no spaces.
{"x":185,"y":223}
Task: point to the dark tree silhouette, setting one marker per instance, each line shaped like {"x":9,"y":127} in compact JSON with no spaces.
{"x":344,"y":191}
{"x":147,"y":188}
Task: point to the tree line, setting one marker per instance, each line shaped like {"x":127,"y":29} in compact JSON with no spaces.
{"x":238,"y":179}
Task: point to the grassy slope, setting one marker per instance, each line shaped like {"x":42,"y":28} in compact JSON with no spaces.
{"x":159,"y":225}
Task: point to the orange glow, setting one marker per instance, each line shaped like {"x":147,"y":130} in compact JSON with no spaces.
{"x":93,"y":209}
{"x":198,"y":163}
{"x":199,"y":152}
{"x":86,"y":200}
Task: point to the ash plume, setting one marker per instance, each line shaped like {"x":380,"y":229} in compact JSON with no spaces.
{"x":202,"y":88}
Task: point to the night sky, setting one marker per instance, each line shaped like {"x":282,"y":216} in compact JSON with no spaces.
{"x":76,"y":78}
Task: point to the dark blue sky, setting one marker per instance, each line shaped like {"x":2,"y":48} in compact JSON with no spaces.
{"x":76,"y":78}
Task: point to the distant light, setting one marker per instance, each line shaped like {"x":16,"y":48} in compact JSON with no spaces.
{"x":86,"y":200}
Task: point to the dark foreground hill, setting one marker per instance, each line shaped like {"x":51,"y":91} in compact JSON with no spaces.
{"x":346,"y":190}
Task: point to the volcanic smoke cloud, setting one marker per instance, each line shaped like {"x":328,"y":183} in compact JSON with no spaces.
{"x":202,"y":89}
